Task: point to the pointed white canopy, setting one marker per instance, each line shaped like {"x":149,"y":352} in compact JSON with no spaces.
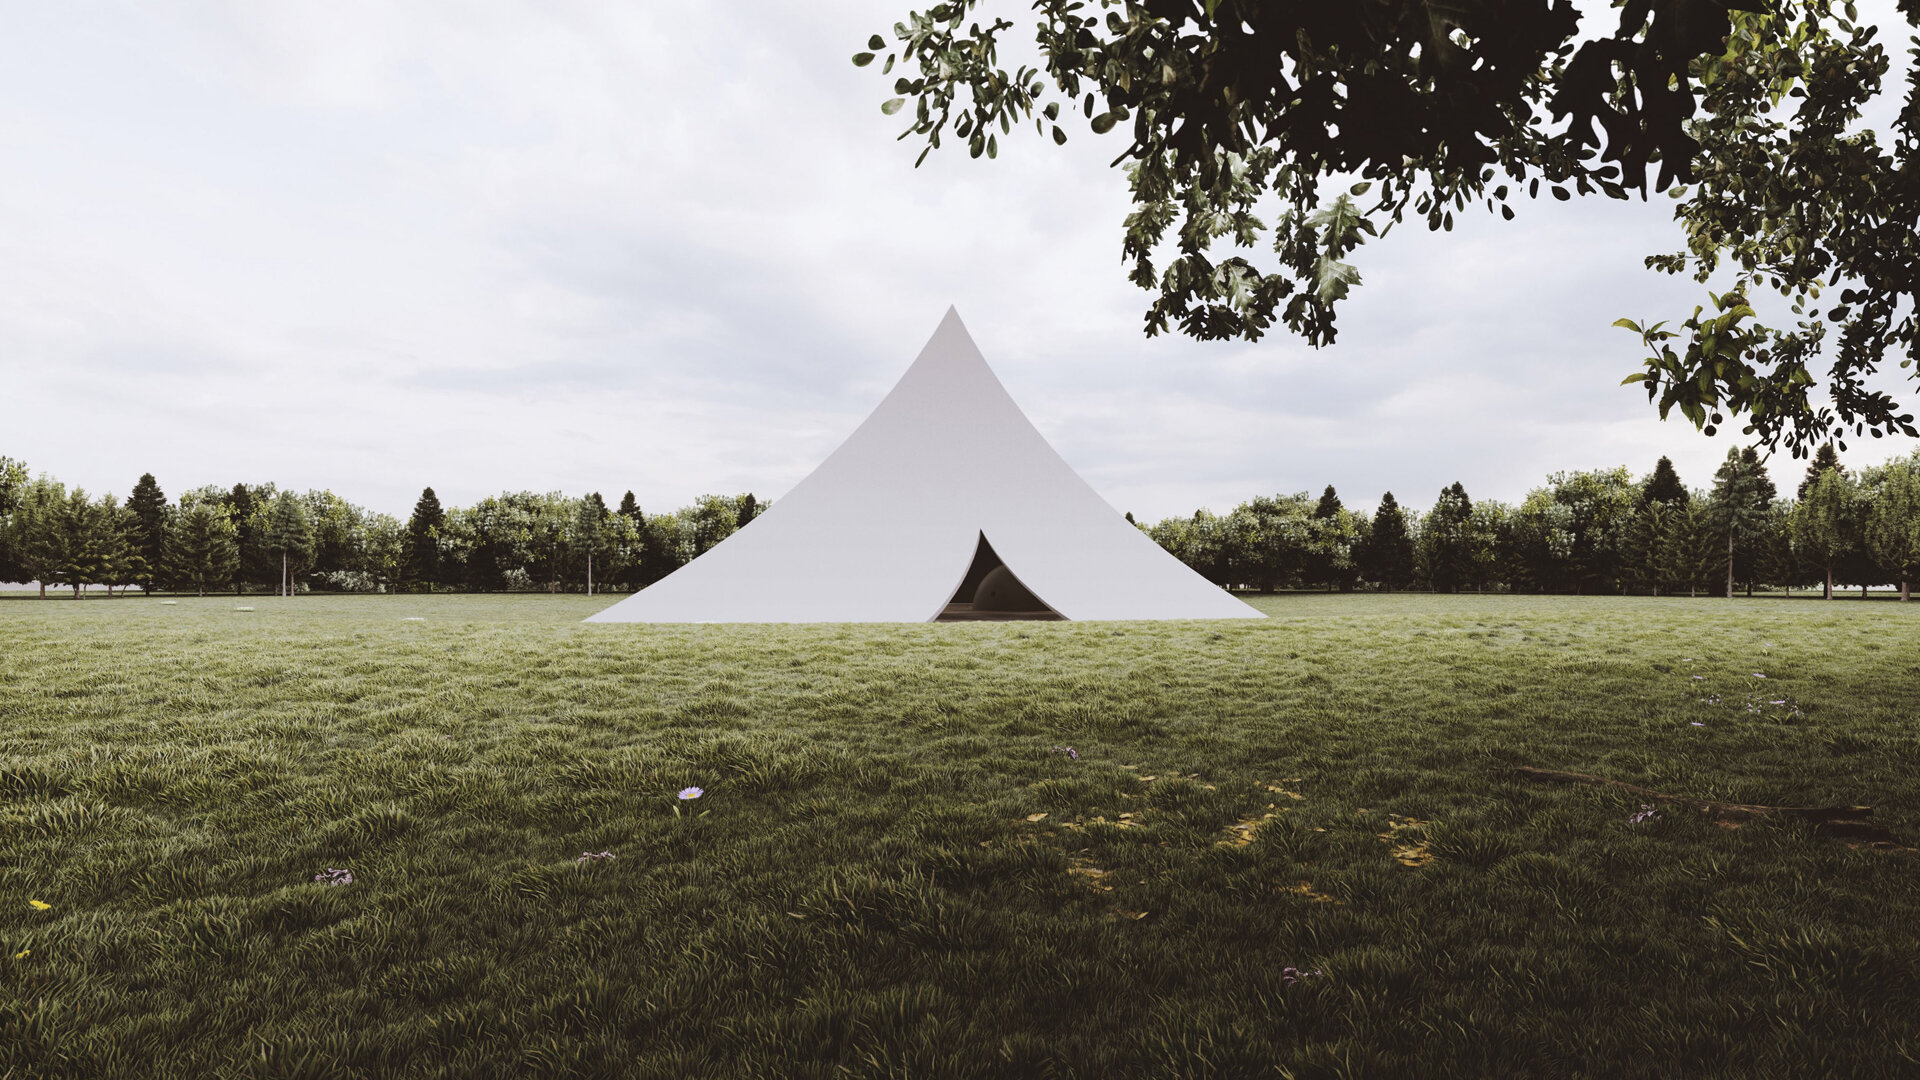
{"x":889,"y":526}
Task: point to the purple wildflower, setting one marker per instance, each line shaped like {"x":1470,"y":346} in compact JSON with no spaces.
{"x":690,"y":793}
{"x":588,"y":856}
{"x":1647,"y":813}
{"x":330,"y":876}
{"x":1071,"y":753}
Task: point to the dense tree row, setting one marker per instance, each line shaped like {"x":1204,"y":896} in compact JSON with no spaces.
{"x":256,"y":537}
{"x":1584,"y":532}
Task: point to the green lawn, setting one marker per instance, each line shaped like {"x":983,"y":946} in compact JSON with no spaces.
{"x":865,"y":889}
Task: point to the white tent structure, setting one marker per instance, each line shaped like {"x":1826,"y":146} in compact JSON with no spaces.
{"x":945,"y":504}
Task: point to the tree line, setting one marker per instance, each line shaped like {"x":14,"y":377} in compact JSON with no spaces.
{"x":1604,"y":531}
{"x":261,"y":538}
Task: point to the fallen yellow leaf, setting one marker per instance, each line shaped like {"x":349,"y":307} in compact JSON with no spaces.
{"x":1041,"y":816}
{"x":1412,"y":855}
{"x":39,"y":905}
{"x":1242,"y":832}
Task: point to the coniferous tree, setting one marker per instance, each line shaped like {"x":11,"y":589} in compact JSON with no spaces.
{"x":1329,"y":555}
{"x":240,"y":506}
{"x":423,"y":547}
{"x":1742,"y":497}
{"x":148,"y":505}
{"x":35,"y":530}
{"x":1693,"y":546}
{"x":1644,"y":555}
{"x":630,"y":543}
{"x":123,"y":564}
{"x":202,"y":550}
{"x":1388,"y":556}
{"x":1663,"y":484}
{"x":1824,"y":460}
{"x":85,"y":541}
{"x":1445,"y":548}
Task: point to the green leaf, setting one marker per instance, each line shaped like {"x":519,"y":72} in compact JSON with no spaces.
{"x":1639,"y":377}
{"x":1059,"y":137}
{"x":862,"y":59}
{"x":1561,"y":193}
{"x":1332,"y":279}
{"x":876,"y":43}
{"x":1103,"y":123}
{"x":1361,"y":188}
{"x":892,"y":106}
{"x":1627,"y":324}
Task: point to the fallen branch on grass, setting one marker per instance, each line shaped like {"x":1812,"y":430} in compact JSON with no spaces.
{"x":1838,"y":822}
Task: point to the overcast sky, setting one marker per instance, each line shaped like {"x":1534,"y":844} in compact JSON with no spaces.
{"x":676,"y":249}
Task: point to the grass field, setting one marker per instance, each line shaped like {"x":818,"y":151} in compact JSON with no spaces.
{"x":1290,"y":848}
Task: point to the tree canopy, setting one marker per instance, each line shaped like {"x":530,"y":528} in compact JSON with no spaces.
{"x":1240,"y":111}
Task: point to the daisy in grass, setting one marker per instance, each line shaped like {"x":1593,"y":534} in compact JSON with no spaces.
{"x":687,"y":795}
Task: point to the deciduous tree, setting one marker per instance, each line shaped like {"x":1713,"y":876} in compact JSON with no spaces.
{"x":288,"y":537}
{"x":590,"y":541}
{"x":1893,"y":522}
{"x":13,"y":486}
{"x":1824,"y":524}
{"x":1239,"y":111}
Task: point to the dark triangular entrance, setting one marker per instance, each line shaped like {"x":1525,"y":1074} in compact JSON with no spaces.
{"x":990,"y":591}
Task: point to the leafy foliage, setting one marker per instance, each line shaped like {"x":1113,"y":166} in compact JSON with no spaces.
{"x":1240,"y":110}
